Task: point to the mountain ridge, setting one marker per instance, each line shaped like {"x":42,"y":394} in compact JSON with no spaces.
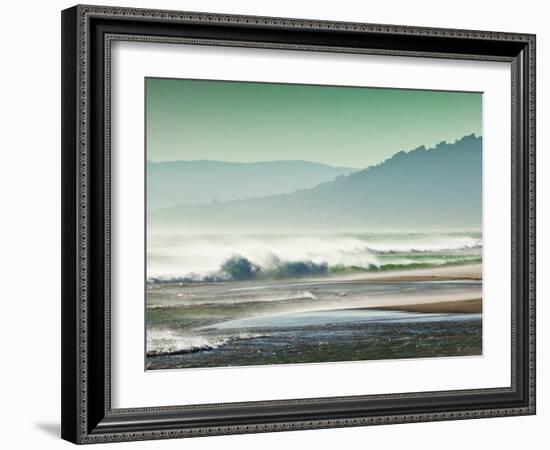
{"x":174,"y":183}
{"x":420,"y":188}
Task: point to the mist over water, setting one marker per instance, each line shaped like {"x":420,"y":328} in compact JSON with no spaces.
{"x":299,"y":272}
{"x":273,"y":298}
{"x":203,"y":257}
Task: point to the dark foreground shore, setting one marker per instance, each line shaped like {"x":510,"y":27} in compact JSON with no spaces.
{"x":369,"y":316}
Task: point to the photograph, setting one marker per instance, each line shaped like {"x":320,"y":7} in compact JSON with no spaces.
{"x":299,"y":223}
{"x":287,"y":219}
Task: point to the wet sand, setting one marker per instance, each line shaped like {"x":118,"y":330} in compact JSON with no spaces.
{"x":456,"y":307}
{"x":446,"y":273}
{"x":417,"y":313}
{"x":466,"y":272}
{"x":448,"y":304}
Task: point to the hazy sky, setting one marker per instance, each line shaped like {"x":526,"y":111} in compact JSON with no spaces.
{"x":341,"y":126}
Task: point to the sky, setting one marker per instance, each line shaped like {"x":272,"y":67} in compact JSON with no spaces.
{"x":340,"y":126}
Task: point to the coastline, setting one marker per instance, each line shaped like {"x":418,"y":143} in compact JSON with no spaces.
{"x":466,"y":306}
{"x":463,"y":293}
{"x":463,"y":306}
{"x":464,"y":272}
{"x":428,"y":312}
{"x":442,"y":305}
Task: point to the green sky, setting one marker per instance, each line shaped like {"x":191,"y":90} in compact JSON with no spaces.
{"x":341,"y":126}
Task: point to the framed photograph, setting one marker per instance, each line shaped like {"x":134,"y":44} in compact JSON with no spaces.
{"x":277,"y":224}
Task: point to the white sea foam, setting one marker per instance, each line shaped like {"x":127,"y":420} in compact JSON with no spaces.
{"x":165,"y":341}
{"x":196,"y":257}
{"x":233,"y":300}
{"x":276,"y":297}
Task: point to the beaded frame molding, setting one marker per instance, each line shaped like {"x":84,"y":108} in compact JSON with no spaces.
{"x":87,"y":35}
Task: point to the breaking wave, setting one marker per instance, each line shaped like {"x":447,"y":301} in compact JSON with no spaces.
{"x":240,"y":269}
{"x":381,"y":250}
{"x":167,"y":342}
{"x":279,"y":297}
{"x":219,"y":258}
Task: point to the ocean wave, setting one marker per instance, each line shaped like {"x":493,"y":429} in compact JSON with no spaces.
{"x":423,"y":265}
{"x":163,"y":305}
{"x":162,"y":342}
{"x":194,"y":258}
{"x":279,"y":297}
{"x":427,"y":249}
{"x":239,"y":268}
{"x":189,"y":278}
{"x":299,"y":295}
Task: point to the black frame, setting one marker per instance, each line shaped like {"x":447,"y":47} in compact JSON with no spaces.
{"x":87,"y":33}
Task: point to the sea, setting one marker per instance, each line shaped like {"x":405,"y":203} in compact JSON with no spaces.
{"x":226,"y":300}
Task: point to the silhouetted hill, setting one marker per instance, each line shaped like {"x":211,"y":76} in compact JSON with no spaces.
{"x":419,"y":189}
{"x":174,"y":183}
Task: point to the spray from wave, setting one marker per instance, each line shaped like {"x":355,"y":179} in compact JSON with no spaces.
{"x":162,"y":342}
{"x":218,"y":258}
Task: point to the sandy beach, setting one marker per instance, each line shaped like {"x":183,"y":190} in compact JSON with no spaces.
{"x":466,"y":305}
{"x":467,"y":272}
{"x":449,"y":273}
{"x":454,"y":307}
{"x":444,"y":273}
{"x":450,"y":304}
{"x":423,"y":312}
{"x":433,"y":312}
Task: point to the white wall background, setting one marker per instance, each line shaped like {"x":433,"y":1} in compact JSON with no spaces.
{"x":30,"y":235}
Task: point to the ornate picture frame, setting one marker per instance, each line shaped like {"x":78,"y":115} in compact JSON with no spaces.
{"x":88,"y":33}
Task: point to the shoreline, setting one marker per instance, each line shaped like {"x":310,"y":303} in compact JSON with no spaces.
{"x":466,"y":272}
{"x":466,"y":299}
{"x":467,"y":306}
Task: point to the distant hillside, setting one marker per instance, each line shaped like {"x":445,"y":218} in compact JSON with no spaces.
{"x":174,"y":183}
{"x":419,"y":189}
